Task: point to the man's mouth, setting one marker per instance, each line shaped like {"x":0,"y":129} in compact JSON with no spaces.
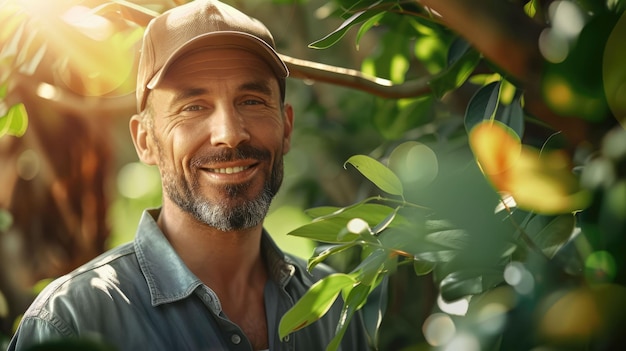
{"x":229,"y":170}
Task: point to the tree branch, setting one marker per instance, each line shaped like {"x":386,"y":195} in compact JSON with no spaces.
{"x":500,"y":30}
{"x":303,"y":69}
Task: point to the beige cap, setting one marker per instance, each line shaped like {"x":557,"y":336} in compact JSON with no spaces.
{"x":201,"y":23}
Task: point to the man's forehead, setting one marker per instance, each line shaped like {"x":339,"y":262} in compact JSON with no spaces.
{"x":188,"y":90}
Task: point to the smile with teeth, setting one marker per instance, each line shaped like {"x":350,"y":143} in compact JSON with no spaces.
{"x":229,"y":170}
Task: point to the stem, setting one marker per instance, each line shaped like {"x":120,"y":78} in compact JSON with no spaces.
{"x":522,"y":233}
{"x":402,"y":202}
{"x":391,"y":250}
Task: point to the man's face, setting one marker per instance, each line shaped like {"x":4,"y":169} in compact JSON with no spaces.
{"x":218,"y":135}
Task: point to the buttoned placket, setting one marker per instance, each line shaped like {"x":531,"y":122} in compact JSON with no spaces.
{"x":286,"y":274}
{"x":232,"y":334}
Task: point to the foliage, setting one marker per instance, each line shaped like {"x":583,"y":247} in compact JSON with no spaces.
{"x":506,"y":222}
{"x":88,"y":49}
{"x":487,"y":212}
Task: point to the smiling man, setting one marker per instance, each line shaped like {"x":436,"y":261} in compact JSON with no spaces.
{"x":201,"y":274}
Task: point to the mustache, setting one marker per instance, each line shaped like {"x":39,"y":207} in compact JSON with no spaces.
{"x":242,"y":152}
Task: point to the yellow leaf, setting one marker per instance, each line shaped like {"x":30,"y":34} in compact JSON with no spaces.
{"x":540,"y":182}
{"x":497,"y":149}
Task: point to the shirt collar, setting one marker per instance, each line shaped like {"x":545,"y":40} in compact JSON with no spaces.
{"x":280,"y":267}
{"x":168,"y":277}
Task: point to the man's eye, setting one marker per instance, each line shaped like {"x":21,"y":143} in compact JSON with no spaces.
{"x":252,"y":102}
{"x":193,"y":108}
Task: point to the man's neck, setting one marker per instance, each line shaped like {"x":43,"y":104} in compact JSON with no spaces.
{"x":225,"y":261}
{"x":230,"y":263}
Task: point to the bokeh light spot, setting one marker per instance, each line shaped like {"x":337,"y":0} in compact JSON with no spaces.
{"x":573,"y":314}
{"x":136,"y":180}
{"x":28,"y":165}
{"x":553,"y":47}
{"x":415,"y":163}
{"x":357,"y":226}
{"x":465,"y":342}
{"x":492,"y":317}
{"x":438,"y":329}
{"x":567,"y":18}
{"x":558,"y":92}
{"x":47,"y":91}
{"x":516,"y":275}
{"x":600,"y":267}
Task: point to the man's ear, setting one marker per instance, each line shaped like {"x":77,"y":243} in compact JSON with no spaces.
{"x":288,"y":117}
{"x":141,"y":140}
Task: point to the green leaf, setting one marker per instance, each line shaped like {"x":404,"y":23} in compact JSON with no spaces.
{"x":436,"y":225}
{"x":374,"y":309}
{"x":15,"y":122}
{"x":367,"y":26}
{"x":422,"y":267}
{"x":323,"y":252}
{"x":614,"y":70}
{"x":393,"y":118}
{"x":322,"y":211}
{"x":411,"y":240}
{"x":551,"y":233}
{"x":462,"y":60}
{"x":482,"y":105}
{"x":467,"y":282}
{"x":332,"y":38}
{"x":458,"y":49}
{"x":377,"y":173}
{"x":531,"y":8}
{"x":355,"y":300}
{"x":431,"y":49}
{"x":367,"y":271}
{"x":331,"y":228}
{"x":385,"y":223}
{"x":513,"y":116}
{"x":390,"y":45}
{"x":314,"y":303}
{"x":434,"y":255}
{"x":452,"y":238}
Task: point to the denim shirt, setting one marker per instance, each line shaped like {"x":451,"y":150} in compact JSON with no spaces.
{"x":141,"y":296}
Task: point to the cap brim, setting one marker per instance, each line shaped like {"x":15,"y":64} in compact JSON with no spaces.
{"x":225,"y":39}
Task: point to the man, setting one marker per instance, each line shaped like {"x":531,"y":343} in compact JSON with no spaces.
{"x":201,"y":274}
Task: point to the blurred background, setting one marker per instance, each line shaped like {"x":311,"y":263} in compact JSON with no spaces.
{"x":71,"y":186}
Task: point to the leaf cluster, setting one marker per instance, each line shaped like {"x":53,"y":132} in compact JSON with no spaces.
{"x":474,"y":216}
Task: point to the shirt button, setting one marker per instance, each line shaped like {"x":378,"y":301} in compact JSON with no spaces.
{"x":236,"y":339}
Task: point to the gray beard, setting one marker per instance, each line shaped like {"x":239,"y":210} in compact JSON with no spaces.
{"x":223,"y":217}
{"x":220,"y":215}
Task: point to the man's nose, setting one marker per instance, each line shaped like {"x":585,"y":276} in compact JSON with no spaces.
{"x":228,"y":127}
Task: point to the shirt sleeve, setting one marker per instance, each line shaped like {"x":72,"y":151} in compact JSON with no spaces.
{"x":40,"y":334}
{"x":34,"y":331}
